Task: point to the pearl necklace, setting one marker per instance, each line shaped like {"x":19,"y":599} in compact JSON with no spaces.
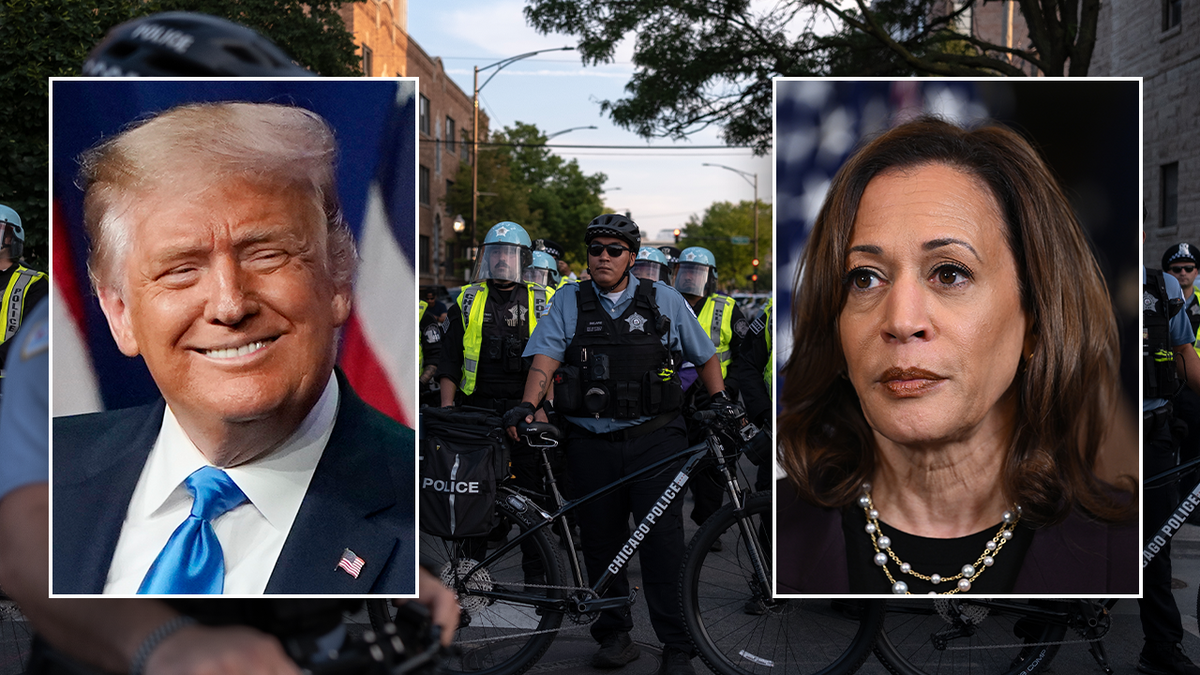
{"x":966,"y":576}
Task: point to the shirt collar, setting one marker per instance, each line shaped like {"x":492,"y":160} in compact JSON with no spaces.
{"x":274,"y":484}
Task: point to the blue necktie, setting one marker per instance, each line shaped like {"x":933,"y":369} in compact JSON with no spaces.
{"x":192,"y":560}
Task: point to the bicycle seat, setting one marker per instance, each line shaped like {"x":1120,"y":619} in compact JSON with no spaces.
{"x":539,"y":434}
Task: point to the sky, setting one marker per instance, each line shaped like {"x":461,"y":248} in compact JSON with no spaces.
{"x":661,"y":188}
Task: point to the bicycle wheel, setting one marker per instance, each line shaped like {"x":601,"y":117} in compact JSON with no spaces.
{"x":964,"y":635}
{"x":497,"y":637}
{"x":737,"y":631}
{"x":16,"y":638}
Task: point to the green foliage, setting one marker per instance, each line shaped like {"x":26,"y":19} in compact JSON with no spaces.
{"x":40,"y":39}
{"x":548,"y":195}
{"x":711,"y":63}
{"x":714,"y":230}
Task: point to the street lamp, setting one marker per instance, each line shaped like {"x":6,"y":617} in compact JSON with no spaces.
{"x":745,"y":176}
{"x":460,"y":223}
{"x":499,"y":65}
{"x":564,"y":131}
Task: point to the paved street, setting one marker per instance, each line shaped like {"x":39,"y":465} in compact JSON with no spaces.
{"x":572,"y":650}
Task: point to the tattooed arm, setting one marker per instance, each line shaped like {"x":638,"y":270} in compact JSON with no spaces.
{"x":537,"y":385}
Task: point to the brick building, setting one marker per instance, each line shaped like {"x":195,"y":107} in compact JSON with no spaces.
{"x":1163,"y":47}
{"x":445,"y":115}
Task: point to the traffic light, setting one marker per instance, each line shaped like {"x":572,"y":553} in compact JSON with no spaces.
{"x":755,"y":263}
{"x":677,"y":233}
{"x":754,"y":277}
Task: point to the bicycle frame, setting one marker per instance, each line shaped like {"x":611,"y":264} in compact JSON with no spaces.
{"x":540,"y":519}
{"x":1172,"y":525}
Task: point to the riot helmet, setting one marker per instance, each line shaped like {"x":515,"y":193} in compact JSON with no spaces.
{"x":696,"y":272}
{"x":188,"y":44}
{"x":505,"y":253}
{"x":651,"y":264}
{"x":543,"y":271}
{"x":12,"y":223}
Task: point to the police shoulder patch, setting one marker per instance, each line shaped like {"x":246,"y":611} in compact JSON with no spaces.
{"x":37,"y":342}
{"x":740,"y":327}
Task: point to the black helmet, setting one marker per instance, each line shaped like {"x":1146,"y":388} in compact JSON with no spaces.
{"x":188,"y":44}
{"x":614,"y":225}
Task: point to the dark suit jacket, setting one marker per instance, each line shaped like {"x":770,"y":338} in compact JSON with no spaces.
{"x":361,"y":497}
{"x":1079,"y":555}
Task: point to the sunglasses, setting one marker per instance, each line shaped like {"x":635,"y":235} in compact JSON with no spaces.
{"x":1180,"y":269}
{"x":614,"y":250}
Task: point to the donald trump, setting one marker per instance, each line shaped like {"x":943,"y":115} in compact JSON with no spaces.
{"x":219,"y":255}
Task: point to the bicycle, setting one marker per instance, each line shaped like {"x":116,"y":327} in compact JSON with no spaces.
{"x":16,"y":637}
{"x":1008,"y":636}
{"x":516,"y":599}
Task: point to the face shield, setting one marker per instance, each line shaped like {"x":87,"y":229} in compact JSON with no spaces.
{"x":693,"y":278}
{"x":502,"y":262}
{"x":648,"y":269}
{"x":538,"y":276}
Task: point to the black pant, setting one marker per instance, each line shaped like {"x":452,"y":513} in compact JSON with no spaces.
{"x":1160,"y":615}
{"x":604,"y":524}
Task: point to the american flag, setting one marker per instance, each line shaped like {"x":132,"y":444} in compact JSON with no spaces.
{"x":351,"y":563}
{"x":375,"y":125}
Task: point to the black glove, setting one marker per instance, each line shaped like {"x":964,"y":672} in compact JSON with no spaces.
{"x":516,"y":416}
{"x":724,"y":406}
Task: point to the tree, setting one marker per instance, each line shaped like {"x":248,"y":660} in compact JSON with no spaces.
{"x":704,"y":63}
{"x":548,"y":195}
{"x":40,"y":39}
{"x":715,"y":230}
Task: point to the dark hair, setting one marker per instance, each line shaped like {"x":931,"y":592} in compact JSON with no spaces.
{"x":1066,"y":391}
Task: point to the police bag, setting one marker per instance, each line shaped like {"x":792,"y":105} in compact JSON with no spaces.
{"x":464,"y":455}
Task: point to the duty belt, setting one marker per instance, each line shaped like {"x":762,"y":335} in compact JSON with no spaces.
{"x":1153,"y":420}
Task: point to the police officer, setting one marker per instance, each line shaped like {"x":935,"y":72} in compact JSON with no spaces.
{"x":753,"y":367}
{"x":431,"y":323}
{"x":555,"y":250}
{"x":613,"y":345}
{"x":490,"y":323}
{"x":542,"y":270}
{"x":724,"y":323}
{"x":651,"y":264}
{"x":1167,"y":337}
{"x":22,"y":287}
{"x":1180,"y":262}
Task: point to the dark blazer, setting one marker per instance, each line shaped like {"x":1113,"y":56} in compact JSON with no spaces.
{"x":361,"y":497}
{"x":1078,"y":555}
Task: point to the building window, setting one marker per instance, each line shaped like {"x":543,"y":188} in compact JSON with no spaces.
{"x":450,"y":268}
{"x":464,"y":152}
{"x":424,"y":115}
{"x":423,"y":255}
{"x":437,"y":156}
{"x":1172,"y":11}
{"x":366,"y":61}
{"x":1170,"y":195}
{"x":449,"y":186}
{"x":450,"y":136}
{"x":423,"y":188}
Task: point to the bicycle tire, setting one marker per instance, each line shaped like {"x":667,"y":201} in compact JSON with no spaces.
{"x":808,"y":636}
{"x":906,"y":645}
{"x":495,"y":637}
{"x":16,"y":638}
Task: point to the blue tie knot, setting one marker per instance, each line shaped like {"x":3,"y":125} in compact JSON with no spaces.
{"x":214,"y":492}
{"x":192,"y":560}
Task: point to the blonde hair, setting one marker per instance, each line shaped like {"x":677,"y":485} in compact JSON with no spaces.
{"x":206,"y":144}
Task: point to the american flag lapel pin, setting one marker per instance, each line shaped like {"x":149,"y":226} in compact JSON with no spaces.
{"x":351,"y":563}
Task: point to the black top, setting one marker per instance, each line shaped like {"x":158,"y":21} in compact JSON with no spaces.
{"x":927,"y":556}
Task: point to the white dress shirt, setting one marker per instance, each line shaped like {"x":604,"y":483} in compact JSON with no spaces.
{"x":251,"y":535}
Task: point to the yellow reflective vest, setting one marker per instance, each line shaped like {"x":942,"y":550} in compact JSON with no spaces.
{"x":472,"y":301}
{"x":768,"y":332}
{"x":717,"y":320}
{"x":421,"y":307}
{"x":14,"y":298}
